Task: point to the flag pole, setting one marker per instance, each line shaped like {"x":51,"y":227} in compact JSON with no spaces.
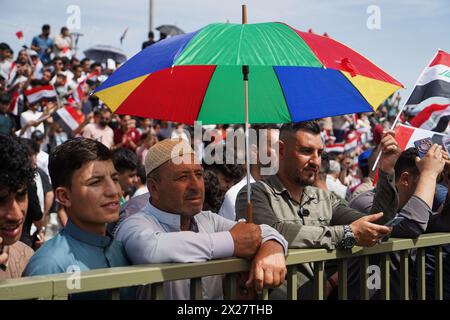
{"x":404,"y":105}
{"x":245,"y":71}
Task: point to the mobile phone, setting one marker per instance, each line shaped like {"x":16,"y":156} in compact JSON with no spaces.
{"x":446,"y":143}
{"x":422,"y":146}
{"x":394,"y":222}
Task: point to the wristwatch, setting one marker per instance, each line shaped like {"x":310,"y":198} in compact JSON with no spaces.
{"x":349,"y":238}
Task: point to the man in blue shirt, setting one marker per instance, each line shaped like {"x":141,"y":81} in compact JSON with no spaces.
{"x":86,"y":184}
{"x":43,"y":44}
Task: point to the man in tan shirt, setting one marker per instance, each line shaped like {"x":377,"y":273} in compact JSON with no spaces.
{"x":16,"y":173}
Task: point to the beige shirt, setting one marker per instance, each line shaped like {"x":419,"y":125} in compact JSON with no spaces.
{"x":95,"y":132}
{"x":18,"y":256}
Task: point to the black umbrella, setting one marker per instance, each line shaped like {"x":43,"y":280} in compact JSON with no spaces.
{"x":169,"y":30}
{"x":101,"y":53}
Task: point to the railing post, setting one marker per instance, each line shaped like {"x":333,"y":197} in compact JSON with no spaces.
{"x":342,"y":273}
{"x":385,"y":276}
{"x":438,"y":274}
{"x":404,"y":275}
{"x":230,"y":286}
{"x":115,"y":294}
{"x":318,"y":280}
{"x":157,"y":292}
{"x":196,"y":289}
{"x":364,"y":290}
{"x":292,"y":283}
{"x":421,"y":276}
{"x":264,"y":295}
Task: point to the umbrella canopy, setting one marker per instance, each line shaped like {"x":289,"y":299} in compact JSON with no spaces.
{"x":170,"y":30}
{"x":294,"y":76}
{"x":101,"y":53}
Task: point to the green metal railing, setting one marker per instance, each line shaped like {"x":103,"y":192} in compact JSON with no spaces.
{"x":55,"y":286}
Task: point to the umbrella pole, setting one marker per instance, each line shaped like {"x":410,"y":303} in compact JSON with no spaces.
{"x":247,"y":144}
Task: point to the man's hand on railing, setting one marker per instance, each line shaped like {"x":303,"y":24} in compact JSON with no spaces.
{"x":246,"y":238}
{"x":367,"y":233}
{"x":268,"y":267}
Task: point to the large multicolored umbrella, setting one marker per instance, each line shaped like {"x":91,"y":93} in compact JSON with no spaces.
{"x":288,"y":76}
{"x":294,"y":76}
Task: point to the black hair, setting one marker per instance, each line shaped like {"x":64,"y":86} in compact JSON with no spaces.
{"x":407,"y":162}
{"x":213,"y":193}
{"x":64,"y":29}
{"x":65,"y":61}
{"x":325,"y":165}
{"x":16,"y":170}
{"x":259,"y":127}
{"x":151,"y":34}
{"x":124,"y":159}
{"x":365,"y":171}
{"x":232,"y":171}
{"x":309,"y":126}
{"x":5,"y":98}
{"x":32,"y":145}
{"x":94,"y":65}
{"x":71,"y":155}
{"x":141,"y":173}
{"x":45,"y":27}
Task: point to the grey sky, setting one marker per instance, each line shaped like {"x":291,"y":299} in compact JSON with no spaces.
{"x":411,"y":30}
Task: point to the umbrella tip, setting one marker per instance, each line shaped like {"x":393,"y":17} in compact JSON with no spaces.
{"x":244,"y":14}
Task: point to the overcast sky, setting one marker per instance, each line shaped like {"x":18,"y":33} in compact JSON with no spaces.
{"x":410,"y":30}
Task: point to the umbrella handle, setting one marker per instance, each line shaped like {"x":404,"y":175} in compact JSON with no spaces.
{"x":249,"y":212}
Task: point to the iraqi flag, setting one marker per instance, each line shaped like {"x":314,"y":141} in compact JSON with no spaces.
{"x":406,"y":136}
{"x":434,"y":117}
{"x":14,"y":107}
{"x":38,"y":93}
{"x":335,"y":147}
{"x":69,"y":118}
{"x":433,"y":84}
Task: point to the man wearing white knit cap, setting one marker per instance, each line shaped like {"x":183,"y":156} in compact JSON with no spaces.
{"x":173,"y":228}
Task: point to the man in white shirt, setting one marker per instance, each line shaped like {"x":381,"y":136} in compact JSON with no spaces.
{"x":32,"y":114}
{"x":267,"y":136}
{"x":172,"y":227}
{"x":100,"y":130}
{"x":333,"y":182}
{"x":63,"y":43}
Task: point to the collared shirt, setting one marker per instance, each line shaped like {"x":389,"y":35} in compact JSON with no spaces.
{"x":315,"y":222}
{"x":333,"y":184}
{"x":227,"y":209}
{"x":74,"y":249}
{"x":18,"y":256}
{"x":154,"y":236}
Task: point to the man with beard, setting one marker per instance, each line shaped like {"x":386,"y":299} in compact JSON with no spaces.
{"x":309,"y":217}
{"x":100,"y":130}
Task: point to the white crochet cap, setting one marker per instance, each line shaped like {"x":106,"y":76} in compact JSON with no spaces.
{"x":164,"y":151}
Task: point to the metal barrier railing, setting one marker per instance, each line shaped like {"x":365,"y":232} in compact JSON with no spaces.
{"x":55,"y":286}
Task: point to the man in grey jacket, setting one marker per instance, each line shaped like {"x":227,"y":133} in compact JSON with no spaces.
{"x":309,"y":217}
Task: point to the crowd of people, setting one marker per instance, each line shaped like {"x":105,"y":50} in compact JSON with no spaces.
{"x":108,"y":192}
